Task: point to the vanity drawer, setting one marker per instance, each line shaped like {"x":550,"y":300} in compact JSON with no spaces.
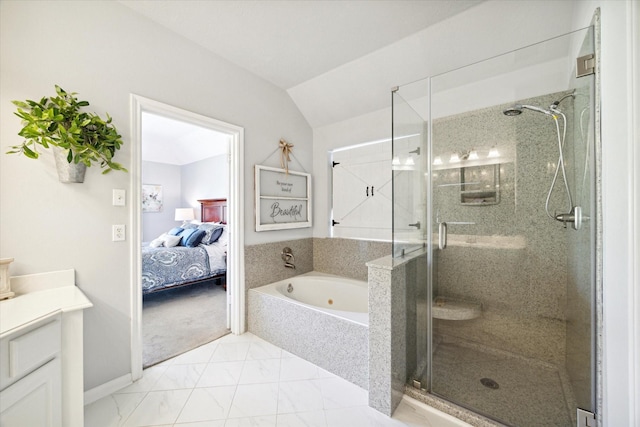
{"x":28,"y":349}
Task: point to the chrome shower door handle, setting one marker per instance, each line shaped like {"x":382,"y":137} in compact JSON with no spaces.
{"x":442,"y":235}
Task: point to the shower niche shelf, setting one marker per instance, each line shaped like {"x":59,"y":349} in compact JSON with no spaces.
{"x":450,"y":309}
{"x":480,"y":185}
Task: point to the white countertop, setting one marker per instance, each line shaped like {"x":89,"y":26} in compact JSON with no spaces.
{"x":24,"y":309}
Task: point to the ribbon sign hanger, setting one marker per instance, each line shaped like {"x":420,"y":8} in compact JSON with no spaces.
{"x":285,"y":150}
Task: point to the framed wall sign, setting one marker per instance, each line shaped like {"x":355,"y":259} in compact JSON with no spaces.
{"x":283,"y":200}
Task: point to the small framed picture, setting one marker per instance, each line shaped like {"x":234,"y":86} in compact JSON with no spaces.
{"x":151,"y":198}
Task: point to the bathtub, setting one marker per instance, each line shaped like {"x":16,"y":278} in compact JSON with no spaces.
{"x":324,"y":319}
{"x":334,"y":295}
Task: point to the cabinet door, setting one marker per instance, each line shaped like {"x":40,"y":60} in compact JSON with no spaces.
{"x":35,"y":400}
{"x":362,"y":192}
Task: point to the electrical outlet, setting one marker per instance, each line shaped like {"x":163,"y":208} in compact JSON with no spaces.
{"x":119,"y":196}
{"x":117,"y":233}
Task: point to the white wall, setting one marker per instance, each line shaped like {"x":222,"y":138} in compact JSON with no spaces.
{"x":105,"y":52}
{"x":205,"y":179}
{"x":169,"y":177}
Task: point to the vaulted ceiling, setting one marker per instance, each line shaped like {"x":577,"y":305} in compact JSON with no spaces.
{"x":296,"y":44}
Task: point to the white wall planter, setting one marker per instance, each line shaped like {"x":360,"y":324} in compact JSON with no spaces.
{"x":68,"y":172}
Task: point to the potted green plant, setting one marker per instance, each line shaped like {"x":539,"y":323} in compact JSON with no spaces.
{"x":79,"y":139}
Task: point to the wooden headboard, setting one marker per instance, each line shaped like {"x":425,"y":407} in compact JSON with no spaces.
{"x":213,"y":210}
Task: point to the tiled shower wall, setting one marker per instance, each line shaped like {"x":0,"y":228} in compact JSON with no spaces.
{"x":520,"y":276}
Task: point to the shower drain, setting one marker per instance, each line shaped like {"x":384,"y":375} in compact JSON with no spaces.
{"x":488,"y":382}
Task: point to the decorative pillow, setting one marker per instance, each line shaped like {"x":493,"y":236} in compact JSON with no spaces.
{"x":215,"y":235}
{"x":212,"y":232}
{"x":224,"y":238}
{"x":171,"y":241}
{"x":195,"y":238}
{"x":175,"y":231}
{"x":184,"y":234}
{"x":156,"y":243}
{"x":208,"y":225}
{"x":166,"y":240}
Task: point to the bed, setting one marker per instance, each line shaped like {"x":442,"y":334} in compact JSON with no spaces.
{"x":170,"y":267}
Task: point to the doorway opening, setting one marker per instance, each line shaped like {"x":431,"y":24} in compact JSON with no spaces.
{"x":185,"y":169}
{"x":164,"y":136}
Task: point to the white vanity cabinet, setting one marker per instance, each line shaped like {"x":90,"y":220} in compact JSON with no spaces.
{"x":31,"y":375}
{"x":41,"y":352}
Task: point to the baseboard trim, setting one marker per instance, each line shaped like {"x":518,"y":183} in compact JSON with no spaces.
{"x":106,"y":389}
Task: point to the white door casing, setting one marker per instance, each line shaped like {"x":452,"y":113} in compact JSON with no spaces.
{"x":235,"y":251}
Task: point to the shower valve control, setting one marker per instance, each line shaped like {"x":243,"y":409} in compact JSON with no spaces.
{"x":575,"y":217}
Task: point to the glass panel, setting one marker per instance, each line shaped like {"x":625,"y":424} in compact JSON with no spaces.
{"x":511,"y":277}
{"x":409,"y":166}
{"x":580,"y":361}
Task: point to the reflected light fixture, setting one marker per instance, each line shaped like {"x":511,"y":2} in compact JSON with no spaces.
{"x":493,"y":152}
{"x":409,"y":162}
{"x":437,"y":161}
{"x":184,"y":214}
{"x":473,"y":154}
{"x":396,"y":161}
{"x":454,"y":158}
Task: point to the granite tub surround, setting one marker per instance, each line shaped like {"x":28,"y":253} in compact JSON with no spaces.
{"x":342,"y":257}
{"x":389,"y":311}
{"x":264,"y":264}
{"x":335,"y":344}
{"x":347,"y":257}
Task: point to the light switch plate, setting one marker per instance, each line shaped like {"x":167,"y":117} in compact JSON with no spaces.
{"x":119,"y":197}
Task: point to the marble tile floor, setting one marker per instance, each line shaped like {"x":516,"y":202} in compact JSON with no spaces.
{"x":242,"y":380}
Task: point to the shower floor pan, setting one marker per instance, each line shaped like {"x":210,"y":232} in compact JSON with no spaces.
{"x":509,"y":388}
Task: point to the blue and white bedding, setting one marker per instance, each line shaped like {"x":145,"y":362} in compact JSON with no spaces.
{"x":171,"y":266}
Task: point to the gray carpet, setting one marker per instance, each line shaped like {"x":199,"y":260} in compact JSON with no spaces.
{"x":178,"y":320}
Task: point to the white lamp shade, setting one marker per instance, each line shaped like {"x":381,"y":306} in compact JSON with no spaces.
{"x":184,"y":214}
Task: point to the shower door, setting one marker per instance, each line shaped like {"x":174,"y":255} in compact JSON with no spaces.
{"x":511,"y":234}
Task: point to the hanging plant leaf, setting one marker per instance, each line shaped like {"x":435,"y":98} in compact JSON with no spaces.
{"x":58,"y":121}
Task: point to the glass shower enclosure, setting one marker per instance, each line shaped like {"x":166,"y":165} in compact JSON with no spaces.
{"x":494,"y":180}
